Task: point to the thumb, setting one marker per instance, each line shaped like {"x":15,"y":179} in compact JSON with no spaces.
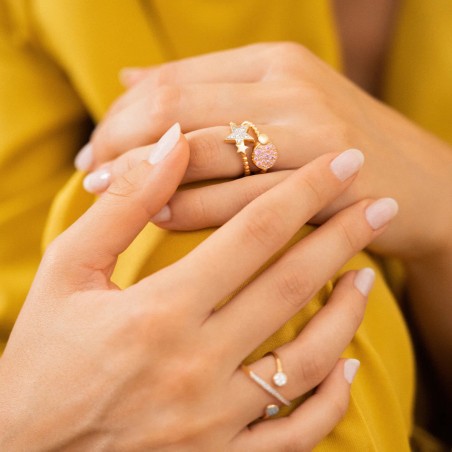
{"x":92,"y":244}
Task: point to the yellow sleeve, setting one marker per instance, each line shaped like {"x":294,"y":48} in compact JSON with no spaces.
{"x":42,"y":124}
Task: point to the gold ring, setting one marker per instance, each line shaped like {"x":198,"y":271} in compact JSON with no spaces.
{"x":264,"y":385}
{"x":280,"y":377}
{"x":264,"y":153}
{"x":239,"y":135}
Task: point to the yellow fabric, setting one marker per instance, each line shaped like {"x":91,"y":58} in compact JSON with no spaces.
{"x":58,"y":66}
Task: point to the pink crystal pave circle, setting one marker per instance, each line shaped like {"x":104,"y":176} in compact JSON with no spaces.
{"x":239,"y":135}
{"x":280,"y":377}
{"x":265,"y":153}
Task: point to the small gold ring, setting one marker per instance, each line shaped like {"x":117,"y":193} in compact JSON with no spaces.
{"x":239,"y":136}
{"x":264,"y":385}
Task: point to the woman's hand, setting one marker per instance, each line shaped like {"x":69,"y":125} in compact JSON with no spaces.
{"x":307,"y":109}
{"x":155,"y":366}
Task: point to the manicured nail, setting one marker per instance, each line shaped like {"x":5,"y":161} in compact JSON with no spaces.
{"x":97,"y":181}
{"x":351,"y":366}
{"x":347,"y":164}
{"x":381,"y":212}
{"x":129,"y":75}
{"x":162,"y":216}
{"x":84,"y":158}
{"x":165,"y":145}
{"x":364,"y":280}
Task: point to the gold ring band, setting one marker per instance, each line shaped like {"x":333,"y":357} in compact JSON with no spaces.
{"x":239,"y":135}
{"x":265,"y":386}
{"x":280,"y":377}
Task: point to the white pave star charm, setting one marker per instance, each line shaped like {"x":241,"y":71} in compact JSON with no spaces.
{"x":239,"y":134}
{"x":241,"y":147}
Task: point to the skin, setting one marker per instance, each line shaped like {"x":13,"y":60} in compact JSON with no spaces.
{"x":80,"y":339}
{"x":322,"y":111}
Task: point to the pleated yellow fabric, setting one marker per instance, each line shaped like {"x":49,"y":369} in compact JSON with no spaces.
{"x":59,"y":62}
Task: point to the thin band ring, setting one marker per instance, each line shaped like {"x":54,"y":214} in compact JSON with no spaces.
{"x":280,"y":377}
{"x":264,"y":385}
{"x":239,"y":135}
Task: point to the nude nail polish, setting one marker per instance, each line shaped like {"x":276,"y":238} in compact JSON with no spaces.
{"x":84,"y":159}
{"x":97,"y":181}
{"x":379,"y":213}
{"x":162,"y":216}
{"x":351,"y":367}
{"x":347,"y":164}
{"x":165,"y":145}
{"x":364,"y":280}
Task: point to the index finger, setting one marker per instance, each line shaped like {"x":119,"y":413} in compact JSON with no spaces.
{"x":237,"y":250}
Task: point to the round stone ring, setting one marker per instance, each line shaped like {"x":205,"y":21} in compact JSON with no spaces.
{"x":279,"y":378}
{"x":265,"y":153}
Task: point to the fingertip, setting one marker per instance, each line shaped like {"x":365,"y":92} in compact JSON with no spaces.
{"x":364,"y":280}
{"x":85,"y":158}
{"x":351,"y":367}
{"x":98,"y":181}
{"x":163,"y":216}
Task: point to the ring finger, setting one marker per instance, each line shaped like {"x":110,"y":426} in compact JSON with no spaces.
{"x":313,"y":354}
{"x":212,"y":158}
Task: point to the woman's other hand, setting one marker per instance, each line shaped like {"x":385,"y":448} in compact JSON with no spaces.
{"x":155,"y":366}
{"x":307,"y":109}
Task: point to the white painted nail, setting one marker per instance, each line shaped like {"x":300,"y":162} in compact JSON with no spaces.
{"x":351,"y":366}
{"x":364,"y":280}
{"x":162,"y":216}
{"x":347,"y":164}
{"x":379,"y":213}
{"x":84,"y":159}
{"x":98,"y":181}
{"x":165,"y":145}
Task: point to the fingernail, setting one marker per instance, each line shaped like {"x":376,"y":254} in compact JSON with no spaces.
{"x":351,"y":366}
{"x":84,"y":159}
{"x":364,"y":280}
{"x":129,"y":75}
{"x":165,"y":145}
{"x":97,"y":181}
{"x":347,"y":164}
{"x":381,"y":212}
{"x":162,"y":216}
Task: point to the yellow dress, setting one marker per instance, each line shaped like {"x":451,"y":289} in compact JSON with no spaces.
{"x":59,"y":62}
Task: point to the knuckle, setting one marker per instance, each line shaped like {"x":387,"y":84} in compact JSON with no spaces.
{"x":165,"y":100}
{"x":290,"y":50}
{"x":194,"y":210}
{"x":292,"y":287}
{"x":312,"y":369}
{"x":55,"y":252}
{"x":105,"y":136}
{"x":338,"y":406}
{"x":205,"y":149}
{"x":313,"y":193}
{"x":347,"y":238}
{"x":263,"y":226}
{"x":293,"y":444}
{"x":129,"y":184}
{"x":164,"y":75}
{"x":340,"y":134}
